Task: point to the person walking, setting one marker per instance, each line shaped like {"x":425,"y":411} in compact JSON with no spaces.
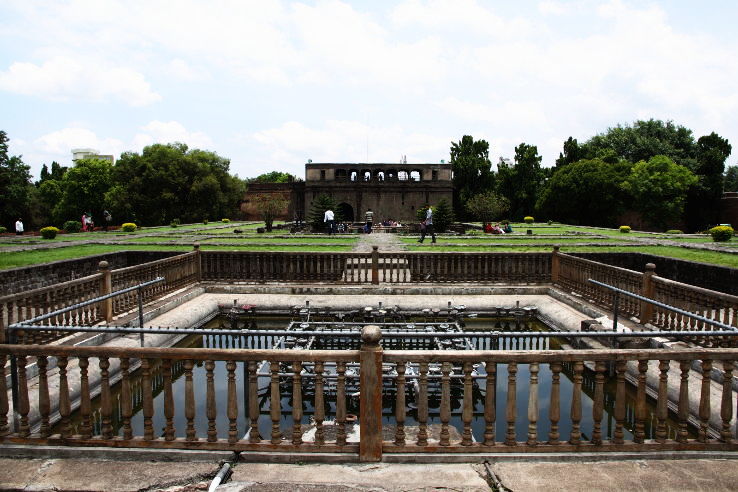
{"x":19,"y":227}
{"x":108,"y":219}
{"x":428,"y":229}
{"x":369,"y":217}
{"x":329,"y":220}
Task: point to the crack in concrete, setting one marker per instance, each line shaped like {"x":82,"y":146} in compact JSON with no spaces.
{"x":493,"y":480}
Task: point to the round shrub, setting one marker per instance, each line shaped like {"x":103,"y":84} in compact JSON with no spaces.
{"x":49,"y":232}
{"x":674,"y":231}
{"x":128,"y":227}
{"x":624,"y":229}
{"x":721,"y":233}
{"x":528,"y":219}
{"x":3,"y":230}
{"x":225,"y":221}
{"x":205,"y":221}
{"x":173,"y":224}
{"x":72,"y":226}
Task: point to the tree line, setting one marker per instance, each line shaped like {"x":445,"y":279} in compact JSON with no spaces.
{"x":654,"y":168}
{"x":162,"y":184}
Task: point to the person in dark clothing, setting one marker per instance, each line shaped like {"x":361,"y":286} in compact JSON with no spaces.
{"x":428,"y":229}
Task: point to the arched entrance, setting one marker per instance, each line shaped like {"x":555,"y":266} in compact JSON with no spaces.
{"x":346,"y":212}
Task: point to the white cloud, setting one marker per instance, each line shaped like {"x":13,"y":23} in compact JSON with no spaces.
{"x":290,"y":145}
{"x":65,"y":78}
{"x":169,"y":132}
{"x":61,"y":142}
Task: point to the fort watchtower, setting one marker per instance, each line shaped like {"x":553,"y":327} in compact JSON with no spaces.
{"x":393,"y":191}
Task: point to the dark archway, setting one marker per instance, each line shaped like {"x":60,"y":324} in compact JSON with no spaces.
{"x":345,"y":212}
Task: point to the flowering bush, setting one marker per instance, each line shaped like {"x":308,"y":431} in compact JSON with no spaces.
{"x":3,"y":230}
{"x":624,"y":229}
{"x":128,"y":227}
{"x":49,"y":232}
{"x":528,"y":219}
{"x":225,"y":221}
{"x":674,"y":231}
{"x":721,"y":233}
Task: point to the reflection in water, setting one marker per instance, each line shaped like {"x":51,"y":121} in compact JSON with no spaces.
{"x":434,"y":392}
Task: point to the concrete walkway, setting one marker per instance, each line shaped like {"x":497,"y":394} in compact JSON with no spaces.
{"x":387,"y":243}
{"x":64,"y":474}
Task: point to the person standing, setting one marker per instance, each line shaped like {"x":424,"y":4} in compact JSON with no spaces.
{"x":369,"y":217}
{"x":108,"y":219}
{"x":428,"y":229}
{"x":84,"y":222}
{"x":329,"y":219}
{"x":19,"y":227}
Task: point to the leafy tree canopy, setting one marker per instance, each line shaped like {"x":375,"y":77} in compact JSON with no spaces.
{"x":586,"y":192}
{"x":443,"y":215}
{"x":521,"y":182}
{"x":270,"y":206}
{"x":659,"y":189}
{"x":472,"y":170}
{"x":274,"y":177}
{"x":487,"y":206}
{"x":731,"y":179}
{"x":316,"y":215}
{"x":15,"y":186}
{"x":82,"y":190}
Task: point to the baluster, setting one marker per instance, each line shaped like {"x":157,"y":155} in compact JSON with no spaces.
{"x":445,"y":403}
{"x":726,"y":406}
{"x":619,"y":402}
{"x":662,"y":410}
{"x":598,"y":406}
{"x":512,"y":369}
{"x":683,"y":411}
{"x":64,"y":403}
{"x":576,"y":405}
{"x":533,"y":405}
{"x":275,"y":402}
{"x":126,"y":403}
{"x":254,"y":435}
{"x":106,"y":406}
{"x":169,"y":433}
{"x":400,"y":405}
{"x":43,"y":394}
{"x":297,"y":404}
{"x":705,"y":401}
{"x":468,"y":410}
{"x":148,"y":399}
{"x":232,"y":405}
{"x":85,"y":405}
{"x":423,"y":406}
{"x":490,"y":402}
{"x":639,"y":433}
{"x":341,"y":404}
{"x":319,"y":405}
{"x":554,"y":409}
{"x":23,"y":402}
{"x":211,"y":409}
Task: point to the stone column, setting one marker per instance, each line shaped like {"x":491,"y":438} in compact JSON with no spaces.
{"x":370,"y":359}
{"x":647,"y":290}
{"x":106,"y":287}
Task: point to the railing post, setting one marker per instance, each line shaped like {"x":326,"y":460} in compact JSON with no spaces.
{"x":555,"y":265}
{"x":647,"y":290}
{"x":106,"y":287}
{"x":198,"y":262}
{"x":375,"y":265}
{"x":370,"y":401}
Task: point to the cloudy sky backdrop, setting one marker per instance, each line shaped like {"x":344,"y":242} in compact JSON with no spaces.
{"x":272,"y":84}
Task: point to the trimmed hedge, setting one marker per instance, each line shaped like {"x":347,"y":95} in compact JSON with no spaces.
{"x":49,"y":232}
{"x":624,"y":229}
{"x":128,"y":227}
{"x":72,"y":226}
{"x":528,"y":219}
{"x":721,"y":233}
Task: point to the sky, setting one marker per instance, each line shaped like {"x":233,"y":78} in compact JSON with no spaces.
{"x":273,"y":84}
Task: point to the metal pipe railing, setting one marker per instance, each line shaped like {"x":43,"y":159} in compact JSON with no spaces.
{"x":668,"y":307}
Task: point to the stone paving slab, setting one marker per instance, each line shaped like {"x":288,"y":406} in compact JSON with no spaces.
{"x":379,"y":477}
{"x":618,"y":476}
{"x":112,"y":476}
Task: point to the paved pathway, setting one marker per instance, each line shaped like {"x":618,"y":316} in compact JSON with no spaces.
{"x":387,"y":243}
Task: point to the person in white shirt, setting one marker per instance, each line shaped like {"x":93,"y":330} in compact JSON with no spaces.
{"x":428,"y":229}
{"x":19,"y":227}
{"x":329,"y":219}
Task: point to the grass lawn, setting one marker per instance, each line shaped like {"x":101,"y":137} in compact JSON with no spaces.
{"x":280,"y":240}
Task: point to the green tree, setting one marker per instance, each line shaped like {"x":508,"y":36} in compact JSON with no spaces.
{"x":472,"y":170}
{"x":274,"y":177}
{"x":83,"y":189}
{"x":642,"y":141}
{"x":316,"y":215}
{"x":572,"y":153}
{"x":659,"y":189}
{"x":487,"y":206}
{"x":270,"y":207}
{"x":167,"y":182}
{"x":585,"y":192}
{"x":443,"y":215}
{"x":730,"y":179}
{"x":703,"y":199}
{"x":520,"y":183}
{"x":15,"y":187}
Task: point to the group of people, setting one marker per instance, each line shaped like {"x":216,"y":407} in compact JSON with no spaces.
{"x":88,"y":225}
{"x":506,"y":228}
{"x":426,"y":226}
